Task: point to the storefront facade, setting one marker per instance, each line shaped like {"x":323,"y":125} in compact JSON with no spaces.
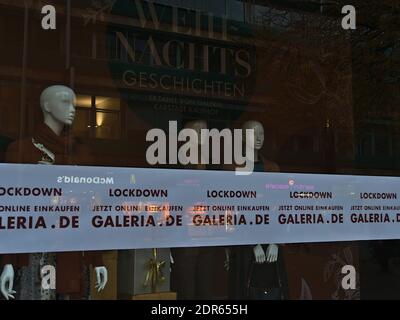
{"x":137,"y":65}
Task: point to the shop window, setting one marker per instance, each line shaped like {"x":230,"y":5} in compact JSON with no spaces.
{"x":235,"y":10}
{"x":98,"y":117}
{"x":383,"y":145}
{"x":12,"y":30}
{"x":45,"y":43}
{"x":218,"y":8}
{"x":305,"y":144}
{"x":10,"y":113}
{"x":82,"y":40}
{"x":366,"y":146}
{"x":109,"y":47}
{"x":107,"y":103}
{"x":83,"y":101}
{"x":82,"y":123}
{"x":108,"y":122}
{"x":107,"y":125}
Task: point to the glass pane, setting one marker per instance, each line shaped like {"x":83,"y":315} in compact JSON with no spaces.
{"x":107,"y":103}
{"x":9,"y":115}
{"x":83,"y":101}
{"x":81,"y":41}
{"x":82,"y":126}
{"x":328,"y":101}
{"x":235,"y":10}
{"x":108,"y":125}
{"x":218,"y":8}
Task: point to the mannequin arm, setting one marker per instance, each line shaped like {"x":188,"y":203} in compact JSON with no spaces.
{"x":7,"y":282}
{"x":259,"y":254}
{"x":272,"y":253}
{"x":101,"y":277}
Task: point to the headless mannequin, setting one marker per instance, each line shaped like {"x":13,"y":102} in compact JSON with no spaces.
{"x":58,"y":106}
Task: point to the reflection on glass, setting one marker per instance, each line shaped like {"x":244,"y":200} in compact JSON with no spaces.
{"x":98,"y":117}
{"x":235,"y":10}
{"x":107,"y":125}
{"x":82,"y":123}
{"x":107,"y":103}
{"x":83,"y":101}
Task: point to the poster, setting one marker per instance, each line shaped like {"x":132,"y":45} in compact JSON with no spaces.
{"x":71,"y":208}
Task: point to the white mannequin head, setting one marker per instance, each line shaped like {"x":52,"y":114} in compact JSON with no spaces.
{"x":258,"y":133}
{"x":197,"y":125}
{"x":58,"y":106}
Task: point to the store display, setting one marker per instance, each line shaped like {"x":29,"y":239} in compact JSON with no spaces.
{"x":257,"y":272}
{"x":51,"y":145}
{"x":143,"y":271}
{"x":193,"y":268}
{"x":97,"y":200}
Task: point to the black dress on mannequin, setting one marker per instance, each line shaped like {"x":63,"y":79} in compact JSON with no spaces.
{"x":192,"y":272}
{"x":194,"y":269}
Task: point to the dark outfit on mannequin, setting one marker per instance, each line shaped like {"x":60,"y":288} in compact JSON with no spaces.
{"x":193,"y":269}
{"x":250,"y":280}
{"x":72,"y":267}
{"x":192,"y":272}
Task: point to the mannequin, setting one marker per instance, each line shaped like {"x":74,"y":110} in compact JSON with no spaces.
{"x":267,"y":269}
{"x":193,"y":268}
{"x":50,"y":145}
{"x":271,"y":254}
